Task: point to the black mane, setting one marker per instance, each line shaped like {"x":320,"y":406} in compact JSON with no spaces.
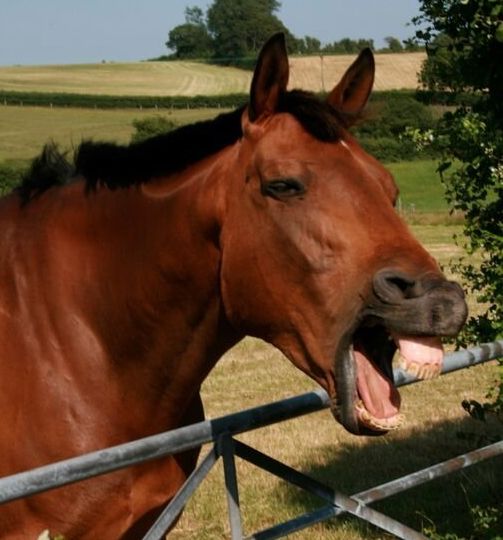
{"x":120,"y":166}
{"x":117,"y":166}
{"x":50,"y":168}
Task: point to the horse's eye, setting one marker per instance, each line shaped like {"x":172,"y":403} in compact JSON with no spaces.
{"x":283,"y":188}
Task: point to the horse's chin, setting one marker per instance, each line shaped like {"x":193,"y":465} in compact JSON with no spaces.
{"x":367,"y":401}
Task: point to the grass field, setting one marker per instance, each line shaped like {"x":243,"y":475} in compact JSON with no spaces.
{"x":253,"y":373}
{"x":139,"y":78}
{"x":24,"y":130}
{"x":193,"y":78}
{"x":420,"y":188}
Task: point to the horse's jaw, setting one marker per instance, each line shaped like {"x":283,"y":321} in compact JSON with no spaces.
{"x":366,"y":400}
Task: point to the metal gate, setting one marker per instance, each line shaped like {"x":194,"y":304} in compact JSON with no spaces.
{"x":220,"y":433}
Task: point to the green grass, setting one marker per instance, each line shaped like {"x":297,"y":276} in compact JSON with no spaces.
{"x":420,"y":187}
{"x":24,"y":130}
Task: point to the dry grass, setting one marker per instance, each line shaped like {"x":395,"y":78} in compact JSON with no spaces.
{"x":139,"y":78}
{"x":394,"y":71}
{"x":253,"y":373}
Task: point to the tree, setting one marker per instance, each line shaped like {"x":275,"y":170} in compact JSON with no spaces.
{"x":348,"y":46}
{"x":412,"y":45}
{"x":311,"y":44}
{"x":464,"y":42}
{"x":440,"y":70}
{"x":194,"y":15}
{"x":394,"y":44}
{"x":470,"y":34}
{"x":240,"y":27}
{"x":191,"y":39}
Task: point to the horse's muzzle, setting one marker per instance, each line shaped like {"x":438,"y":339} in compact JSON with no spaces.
{"x":407,"y":313}
{"x":426,"y":305}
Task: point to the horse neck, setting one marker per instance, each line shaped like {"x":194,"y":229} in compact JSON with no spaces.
{"x":155,"y":304}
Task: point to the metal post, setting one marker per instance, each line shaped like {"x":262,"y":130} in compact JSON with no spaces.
{"x":226,"y":450}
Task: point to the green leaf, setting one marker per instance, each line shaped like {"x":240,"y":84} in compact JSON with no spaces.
{"x":499,"y":33}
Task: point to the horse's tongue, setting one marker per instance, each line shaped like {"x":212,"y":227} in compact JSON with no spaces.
{"x":420,"y":356}
{"x":379,"y":404}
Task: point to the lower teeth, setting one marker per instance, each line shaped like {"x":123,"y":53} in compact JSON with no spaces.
{"x":381,"y":424}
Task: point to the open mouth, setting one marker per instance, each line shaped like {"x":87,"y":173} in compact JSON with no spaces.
{"x":367,"y":401}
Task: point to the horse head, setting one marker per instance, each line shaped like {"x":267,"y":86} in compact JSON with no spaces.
{"x":315,"y":258}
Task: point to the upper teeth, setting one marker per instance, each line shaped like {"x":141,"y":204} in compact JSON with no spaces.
{"x":418,"y":369}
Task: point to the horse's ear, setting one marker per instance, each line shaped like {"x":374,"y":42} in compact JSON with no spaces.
{"x":352,"y":93}
{"x":270,"y":77}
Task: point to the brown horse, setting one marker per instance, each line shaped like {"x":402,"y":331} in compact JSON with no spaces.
{"x":128,"y":273}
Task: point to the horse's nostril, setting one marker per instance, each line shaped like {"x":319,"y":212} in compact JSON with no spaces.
{"x":392,"y":286}
{"x":402,"y":283}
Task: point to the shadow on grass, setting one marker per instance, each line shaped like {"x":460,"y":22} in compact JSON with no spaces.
{"x":447,"y":505}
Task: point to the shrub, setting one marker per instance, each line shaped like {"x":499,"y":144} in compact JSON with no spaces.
{"x":120,"y":102}
{"x":472,"y":137}
{"x":149,"y":127}
{"x":390,"y":115}
{"x":11,"y":175}
{"x":390,"y":149}
{"x":384,"y":133}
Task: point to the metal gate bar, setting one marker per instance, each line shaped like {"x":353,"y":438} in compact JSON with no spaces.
{"x":370,"y":495}
{"x":156,"y":446}
{"x":227,"y":450}
{"x":296,"y":524}
{"x":170,"y":514}
{"x":336,"y":498}
{"x":178,"y":440}
{"x":430,"y":473}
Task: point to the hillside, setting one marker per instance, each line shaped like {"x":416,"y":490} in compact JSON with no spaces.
{"x":394,"y":71}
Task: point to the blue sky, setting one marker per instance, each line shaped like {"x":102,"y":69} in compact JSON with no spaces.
{"x":79,"y":31}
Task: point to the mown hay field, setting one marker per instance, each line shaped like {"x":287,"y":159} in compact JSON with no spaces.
{"x":180,"y":78}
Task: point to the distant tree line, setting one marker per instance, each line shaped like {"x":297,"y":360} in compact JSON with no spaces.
{"x":312,"y":45}
{"x":236,"y":29}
